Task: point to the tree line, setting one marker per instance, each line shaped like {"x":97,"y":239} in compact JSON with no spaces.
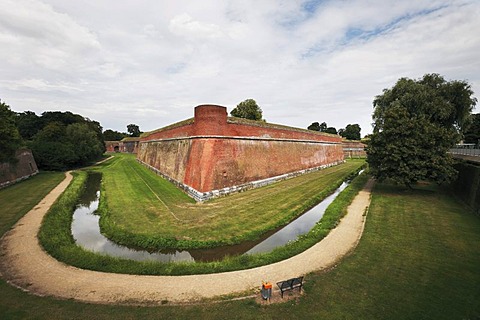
{"x":351,"y":131}
{"x":58,"y":140}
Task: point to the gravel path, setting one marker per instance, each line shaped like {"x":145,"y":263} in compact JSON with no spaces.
{"x":24,"y":264}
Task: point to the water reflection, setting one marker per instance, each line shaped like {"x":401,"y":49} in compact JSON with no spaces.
{"x":86,"y":232}
{"x":297,"y":227}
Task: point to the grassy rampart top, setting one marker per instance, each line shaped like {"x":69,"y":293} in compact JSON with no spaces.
{"x":263,"y":124}
{"x":169,"y":127}
{"x":130,"y":139}
{"x":235,"y":120}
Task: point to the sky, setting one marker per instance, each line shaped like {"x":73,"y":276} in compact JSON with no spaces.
{"x":151,"y":62}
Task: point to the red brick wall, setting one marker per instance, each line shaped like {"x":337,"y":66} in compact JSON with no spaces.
{"x":211,"y":120}
{"x":220,"y":163}
{"x":354,"y":149}
{"x":170,"y":157}
{"x":112,"y":145}
{"x":127,"y":146}
{"x":213,"y":152}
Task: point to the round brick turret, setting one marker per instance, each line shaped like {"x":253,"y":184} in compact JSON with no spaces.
{"x":210,"y":120}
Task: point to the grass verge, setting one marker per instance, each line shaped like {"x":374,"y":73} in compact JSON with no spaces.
{"x":418,"y":259}
{"x":16,"y":200}
{"x":56,"y":238}
{"x":140,"y":209}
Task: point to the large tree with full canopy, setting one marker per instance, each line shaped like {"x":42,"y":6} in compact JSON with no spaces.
{"x":351,"y":132}
{"x":415,"y":123}
{"x":247,"y":109}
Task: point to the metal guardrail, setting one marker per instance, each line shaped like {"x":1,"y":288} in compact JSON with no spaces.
{"x":475,"y":152}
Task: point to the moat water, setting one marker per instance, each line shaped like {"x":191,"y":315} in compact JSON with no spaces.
{"x":86,"y":232}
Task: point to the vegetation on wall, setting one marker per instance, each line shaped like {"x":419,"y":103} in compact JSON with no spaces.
{"x":415,"y":123}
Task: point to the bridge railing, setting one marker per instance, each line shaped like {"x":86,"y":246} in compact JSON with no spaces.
{"x":466,"y":150}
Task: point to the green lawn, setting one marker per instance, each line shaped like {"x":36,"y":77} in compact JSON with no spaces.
{"x":16,"y":200}
{"x":419,"y":258}
{"x":142,"y":204}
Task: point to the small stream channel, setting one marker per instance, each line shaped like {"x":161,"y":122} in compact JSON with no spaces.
{"x":86,"y":232}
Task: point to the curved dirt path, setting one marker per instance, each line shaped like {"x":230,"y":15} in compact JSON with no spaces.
{"x":24,"y":264}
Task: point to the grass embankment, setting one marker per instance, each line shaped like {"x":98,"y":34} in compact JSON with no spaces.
{"x":56,"y":238}
{"x":140,"y":209}
{"x":418,"y":259}
{"x":16,"y":200}
{"x":55,"y":233}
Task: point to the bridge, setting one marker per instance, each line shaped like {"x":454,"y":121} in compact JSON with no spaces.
{"x":469,"y":152}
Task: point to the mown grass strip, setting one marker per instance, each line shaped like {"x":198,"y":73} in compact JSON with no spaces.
{"x":418,"y":259}
{"x":16,"y":200}
{"x":56,"y":238}
{"x":131,"y":214}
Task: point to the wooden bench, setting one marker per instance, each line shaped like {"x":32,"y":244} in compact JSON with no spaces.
{"x":290,"y":284}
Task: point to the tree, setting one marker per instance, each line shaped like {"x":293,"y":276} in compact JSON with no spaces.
{"x":65,"y":140}
{"x":62,"y":117}
{"x":10,"y":139}
{"x":111,"y":135}
{"x":85,"y":144}
{"x":415,"y":123}
{"x":247,"y":109}
{"x":134,"y":130}
{"x":52,"y":149}
{"x":351,"y":132}
{"x":330,"y":130}
{"x":28,"y":124}
{"x":315,"y":126}
{"x":472,"y":134}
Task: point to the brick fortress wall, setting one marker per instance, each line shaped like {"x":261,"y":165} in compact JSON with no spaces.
{"x":126,"y":145}
{"x":354,"y":149}
{"x":24,"y":168}
{"x":212,"y":154}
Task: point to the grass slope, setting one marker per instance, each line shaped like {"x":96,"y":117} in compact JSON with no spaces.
{"x":16,"y":200}
{"x":418,"y":259}
{"x":55,"y":237}
{"x":143,"y":210}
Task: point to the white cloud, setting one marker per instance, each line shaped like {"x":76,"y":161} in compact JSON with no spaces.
{"x":184,"y":25}
{"x":151,"y":63}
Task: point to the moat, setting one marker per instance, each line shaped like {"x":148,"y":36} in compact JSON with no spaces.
{"x":86,"y":232}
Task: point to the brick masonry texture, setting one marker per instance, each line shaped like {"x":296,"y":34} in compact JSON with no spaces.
{"x":126,"y":145}
{"x":23,"y":169}
{"x":213,"y":152}
{"x":354,"y":149}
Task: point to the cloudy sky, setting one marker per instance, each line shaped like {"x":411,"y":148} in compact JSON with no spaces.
{"x":151,"y":62}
